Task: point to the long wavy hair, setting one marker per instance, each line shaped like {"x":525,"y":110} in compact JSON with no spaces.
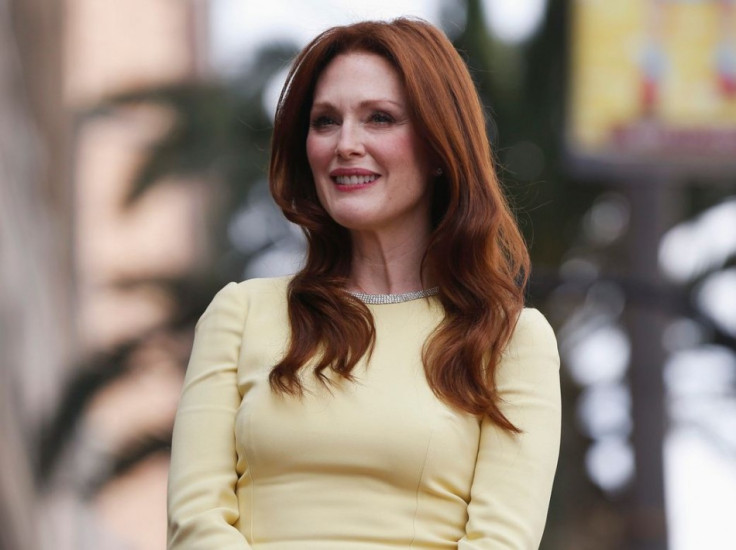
{"x":475,"y":254}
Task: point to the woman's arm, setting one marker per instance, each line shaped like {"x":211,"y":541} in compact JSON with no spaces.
{"x":202,"y":505}
{"x":514,"y":472}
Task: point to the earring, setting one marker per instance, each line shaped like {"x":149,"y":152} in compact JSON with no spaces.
{"x":438,"y":171}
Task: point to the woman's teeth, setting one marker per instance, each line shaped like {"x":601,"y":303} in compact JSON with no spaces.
{"x":355,"y":180}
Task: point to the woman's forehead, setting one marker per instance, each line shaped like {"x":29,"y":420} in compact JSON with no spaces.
{"x":360,"y":77}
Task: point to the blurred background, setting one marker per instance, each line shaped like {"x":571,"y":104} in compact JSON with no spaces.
{"x":134,"y":139}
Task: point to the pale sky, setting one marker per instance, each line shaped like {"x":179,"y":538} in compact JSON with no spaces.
{"x":238,"y":26}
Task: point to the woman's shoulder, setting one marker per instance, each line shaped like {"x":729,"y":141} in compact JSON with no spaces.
{"x":532,"y":320}
{"x":250,"y":291}
{"x":264,"y":285}
{"x":257,"y":286}
{"x":532,"y":330}
{"x":531,"y":354}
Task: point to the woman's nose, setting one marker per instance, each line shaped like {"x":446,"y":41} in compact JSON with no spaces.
{"x":349,"y":142}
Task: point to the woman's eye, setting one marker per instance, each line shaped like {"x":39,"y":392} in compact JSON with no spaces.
{"x":322,"y":121}
{"x":381,"y":118}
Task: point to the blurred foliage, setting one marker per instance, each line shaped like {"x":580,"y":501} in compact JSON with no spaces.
{"x":221,"y":135}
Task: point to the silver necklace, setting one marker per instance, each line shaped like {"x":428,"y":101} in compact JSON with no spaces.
{"x":395,"y":298}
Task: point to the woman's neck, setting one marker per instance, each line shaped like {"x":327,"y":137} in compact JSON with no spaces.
{"x":386,"y":264}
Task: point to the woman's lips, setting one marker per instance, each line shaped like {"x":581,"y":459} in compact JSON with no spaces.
{"x":353,"y":179}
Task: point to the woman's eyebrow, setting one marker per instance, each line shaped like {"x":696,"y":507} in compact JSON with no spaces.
{"x":362,"y":104}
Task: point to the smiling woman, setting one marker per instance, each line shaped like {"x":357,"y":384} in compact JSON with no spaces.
{"x":368,"y":164}
{"x":394,"y":393}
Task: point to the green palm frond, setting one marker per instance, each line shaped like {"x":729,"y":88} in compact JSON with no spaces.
{"x":220,"y":131}
{"x":89,"y":377}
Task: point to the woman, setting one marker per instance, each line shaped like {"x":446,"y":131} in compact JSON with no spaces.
{"x":393,"y":393}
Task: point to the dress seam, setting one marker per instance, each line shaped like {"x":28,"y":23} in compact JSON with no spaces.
{"x":249,"y":466}
{"x":248,"y":462}
{"x":418,"y":489}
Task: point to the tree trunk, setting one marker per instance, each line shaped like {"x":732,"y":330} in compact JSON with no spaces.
{"x":35,"y":248}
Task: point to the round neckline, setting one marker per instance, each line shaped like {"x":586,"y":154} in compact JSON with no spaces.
{"x":380,"y":299}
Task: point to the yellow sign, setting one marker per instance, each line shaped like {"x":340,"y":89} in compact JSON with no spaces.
{"x":653,"y":78}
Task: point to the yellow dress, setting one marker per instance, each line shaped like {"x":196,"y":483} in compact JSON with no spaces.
{"x":374,"y":464}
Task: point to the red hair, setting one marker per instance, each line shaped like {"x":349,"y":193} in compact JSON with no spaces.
{"x":476,"y":254}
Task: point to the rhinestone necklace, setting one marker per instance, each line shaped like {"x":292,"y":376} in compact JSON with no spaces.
{"x":395,"y":298}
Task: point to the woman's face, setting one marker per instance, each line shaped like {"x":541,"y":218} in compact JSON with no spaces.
{"x":368,"y":164}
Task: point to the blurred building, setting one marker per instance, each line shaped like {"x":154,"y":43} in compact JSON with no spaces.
{"x":36,"y":269}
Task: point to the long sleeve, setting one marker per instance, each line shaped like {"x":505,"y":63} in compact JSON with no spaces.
{"x":514,"y":472}
{"x":202,"y":504}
